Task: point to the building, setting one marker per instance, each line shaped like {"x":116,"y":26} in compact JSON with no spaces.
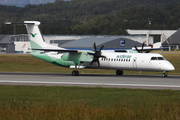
{"x":169,"y":38}
{"x":173,"y":41}
{"x":6,"y":46}
{"x":86,"y":42}
{"x":22,"y":45}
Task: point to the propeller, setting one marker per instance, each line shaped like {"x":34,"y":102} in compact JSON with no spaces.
{"x":97,"y":55}
{"x":140,"y":51}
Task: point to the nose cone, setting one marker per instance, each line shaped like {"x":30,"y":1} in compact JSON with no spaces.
{"x":169,"y":67}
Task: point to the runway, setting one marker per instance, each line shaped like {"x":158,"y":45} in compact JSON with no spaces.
{"x":92,"y":80}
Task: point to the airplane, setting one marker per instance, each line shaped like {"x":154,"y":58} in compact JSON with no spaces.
{"x":118,"y":60}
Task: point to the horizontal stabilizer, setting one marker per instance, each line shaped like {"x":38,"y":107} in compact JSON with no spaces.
{"x":17,"y":23}
{"x":25,"y":22}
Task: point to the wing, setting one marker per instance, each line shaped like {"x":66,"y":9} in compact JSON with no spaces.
{"x":60,"y":50}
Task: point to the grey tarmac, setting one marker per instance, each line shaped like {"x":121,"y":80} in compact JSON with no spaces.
{"x":91,"y":80}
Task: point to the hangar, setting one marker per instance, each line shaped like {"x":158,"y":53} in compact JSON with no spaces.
{"x":173,"y":40}
{"x":22,"y":44}
{"x":110,"y":42}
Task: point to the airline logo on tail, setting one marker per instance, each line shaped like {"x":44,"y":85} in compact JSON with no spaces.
{"x":33,"y":35}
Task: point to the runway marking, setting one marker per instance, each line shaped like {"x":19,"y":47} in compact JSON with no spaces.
{"x":77,"y":83}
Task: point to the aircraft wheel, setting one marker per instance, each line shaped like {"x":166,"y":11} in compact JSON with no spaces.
{"x":75,"y":73}
{"x":164,"y":74}
{"x":119,"y":72}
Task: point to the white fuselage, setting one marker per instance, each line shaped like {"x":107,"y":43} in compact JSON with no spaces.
{"x":121,"y":61}
{"x":134,"y":61}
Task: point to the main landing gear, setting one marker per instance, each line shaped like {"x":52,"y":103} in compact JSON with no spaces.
{"x":75,"y":72}
{"x":119,"y":72}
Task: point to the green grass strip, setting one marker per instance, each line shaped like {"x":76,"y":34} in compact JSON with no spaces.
{"x":46,"y":102}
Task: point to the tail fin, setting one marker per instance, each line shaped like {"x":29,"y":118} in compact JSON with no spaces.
{"x":34,"y":34}
{"x":36,"y":39}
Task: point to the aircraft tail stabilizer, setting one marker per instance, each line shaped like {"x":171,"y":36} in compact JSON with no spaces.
{"x":34,"y":34}
{"x":36,"y":39}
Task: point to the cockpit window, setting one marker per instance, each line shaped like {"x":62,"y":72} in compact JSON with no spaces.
{"x":154,"y":58}
{"x":160,"y":58}
{"x":157,"y":58}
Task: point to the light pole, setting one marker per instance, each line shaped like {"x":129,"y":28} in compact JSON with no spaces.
{"x":149,"y":20}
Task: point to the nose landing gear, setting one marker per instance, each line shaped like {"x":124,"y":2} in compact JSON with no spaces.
{"x":165,"y":74}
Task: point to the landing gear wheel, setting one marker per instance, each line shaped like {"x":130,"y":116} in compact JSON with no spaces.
{"x":119,"y":72}
{"x":164,"y":74}
{"x":75,"y":73}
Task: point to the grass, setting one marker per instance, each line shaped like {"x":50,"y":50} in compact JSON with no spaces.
{"x":27,"y":63}
{"x":46,"y":102}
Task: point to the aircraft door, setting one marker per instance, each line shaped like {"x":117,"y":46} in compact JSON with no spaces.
{"x":135,"y":62}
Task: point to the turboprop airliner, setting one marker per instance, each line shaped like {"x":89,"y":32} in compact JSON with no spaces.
{"x":97,"y":58}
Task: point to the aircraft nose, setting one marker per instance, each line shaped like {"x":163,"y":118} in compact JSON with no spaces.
{"x":170,"y":67}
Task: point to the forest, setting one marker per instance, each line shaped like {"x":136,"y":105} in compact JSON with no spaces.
{"x":92,"y":17}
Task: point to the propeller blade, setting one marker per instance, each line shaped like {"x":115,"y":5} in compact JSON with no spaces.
{"x":143,"y":46}
{"x":96,"y":55}
{"x":136,"y":48}
{"x":91,"y":62}
{"x":95,"y":46}
{"x":90,"y":53}
{"x":98,"y":63}
{"x":102,"y":56}
{"x":101,"y":47}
